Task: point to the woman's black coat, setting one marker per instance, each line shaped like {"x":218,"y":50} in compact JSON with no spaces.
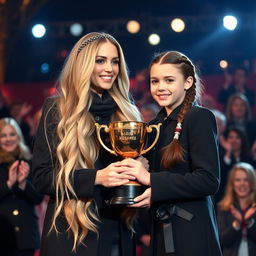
{"x":18,"y":219}
{"x":110,"y":228}
{"x":231,"y":238}
{"x":188,"y":185}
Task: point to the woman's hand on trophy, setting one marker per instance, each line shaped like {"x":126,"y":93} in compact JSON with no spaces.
{"x":144,"y":161}
{"x":136,"y":168}
{"x":143,"y":200}
{"x":113,"y":175}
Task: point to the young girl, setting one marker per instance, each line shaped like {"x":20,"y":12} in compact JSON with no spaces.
{"x":69,"y":164}
{"x":184,"y":164}
{"x":237,"y":212}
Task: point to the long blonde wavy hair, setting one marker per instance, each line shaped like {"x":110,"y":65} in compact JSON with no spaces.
{"x":78,"y":147}
{"x":22,"y":151}
{"x":230,"y":195}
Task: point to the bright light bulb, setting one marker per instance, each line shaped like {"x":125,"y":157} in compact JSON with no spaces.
{"x":133,"y":26}
{"x":38,"y":30}
{"x":154,"y":39}
{"x":177,"y":25}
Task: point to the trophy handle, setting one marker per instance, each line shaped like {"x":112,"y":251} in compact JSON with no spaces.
{"x":149,"y":130}
{"x":98,"y":128}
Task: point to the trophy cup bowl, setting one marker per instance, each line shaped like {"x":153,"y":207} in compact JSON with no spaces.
{"x":127,"y":139}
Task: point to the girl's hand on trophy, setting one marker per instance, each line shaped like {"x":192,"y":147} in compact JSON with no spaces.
{"x":136,"y":168}
{"x":144,"y":161}
{"x":143,"y":200}
{"x":113,"y":175}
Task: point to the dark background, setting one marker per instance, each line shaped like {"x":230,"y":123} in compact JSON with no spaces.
{"x":204,"y":39}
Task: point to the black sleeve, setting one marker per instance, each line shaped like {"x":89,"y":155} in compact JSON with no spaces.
{"x":43,"y":155}
{"x":228,"y":235}
{"x":203,"y":177}
{"x":29,"y":194}
{"x":4,"y":189}
{"x":251,"y":232}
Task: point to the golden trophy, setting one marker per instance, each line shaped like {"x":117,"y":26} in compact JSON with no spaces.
{"x":127,"y":139}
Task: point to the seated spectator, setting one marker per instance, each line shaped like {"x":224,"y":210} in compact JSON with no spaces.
{"x":237,"y":212}
{"x":236,"y":148}
{"x":17,"y":195}
{"x":236,"y":84}
{"x":238,"y":114}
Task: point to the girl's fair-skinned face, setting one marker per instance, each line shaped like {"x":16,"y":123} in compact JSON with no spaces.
{"x":106,"y":68}
{"x":167,"y":85}
{"x":9,"y":139}
{"x":241,"y":184}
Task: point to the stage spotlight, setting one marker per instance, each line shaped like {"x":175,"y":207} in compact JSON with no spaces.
{"x":177,"y":25}
{"x":154,"y":39}
{"x":223,"y":64}
{"x":230,"y":22}
{"x":133,"y":26}
{"x":45,"y":68}
{"x":38,"y":30}
{"x":76,"y":29}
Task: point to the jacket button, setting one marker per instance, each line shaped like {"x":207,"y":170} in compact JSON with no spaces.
{"x":15,"y":212}
{"x":16,"y":228}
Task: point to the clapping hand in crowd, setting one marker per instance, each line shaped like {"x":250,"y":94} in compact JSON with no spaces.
{"x":239,"y":218}
{"x":18,"y":172}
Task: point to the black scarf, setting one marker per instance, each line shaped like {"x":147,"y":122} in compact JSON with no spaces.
{"x":102,"y":107}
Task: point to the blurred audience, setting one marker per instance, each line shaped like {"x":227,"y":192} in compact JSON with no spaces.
{"x":149,"y":112}
{"x":208,"y":101}
{"x":236,"y":83}
{"x":139,"y":88}
{"x":236,"y":148}
{"x":239,"y":114}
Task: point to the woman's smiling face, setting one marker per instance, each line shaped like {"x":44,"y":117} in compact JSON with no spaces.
{"x":9,"y":139}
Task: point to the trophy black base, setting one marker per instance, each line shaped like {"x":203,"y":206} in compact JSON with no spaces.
{"x":124,"y":195}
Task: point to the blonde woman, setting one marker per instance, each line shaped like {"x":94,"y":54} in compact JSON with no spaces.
{"x":70,"y":166}
{"x":237,"y":212}
{"x":19,"y":233}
